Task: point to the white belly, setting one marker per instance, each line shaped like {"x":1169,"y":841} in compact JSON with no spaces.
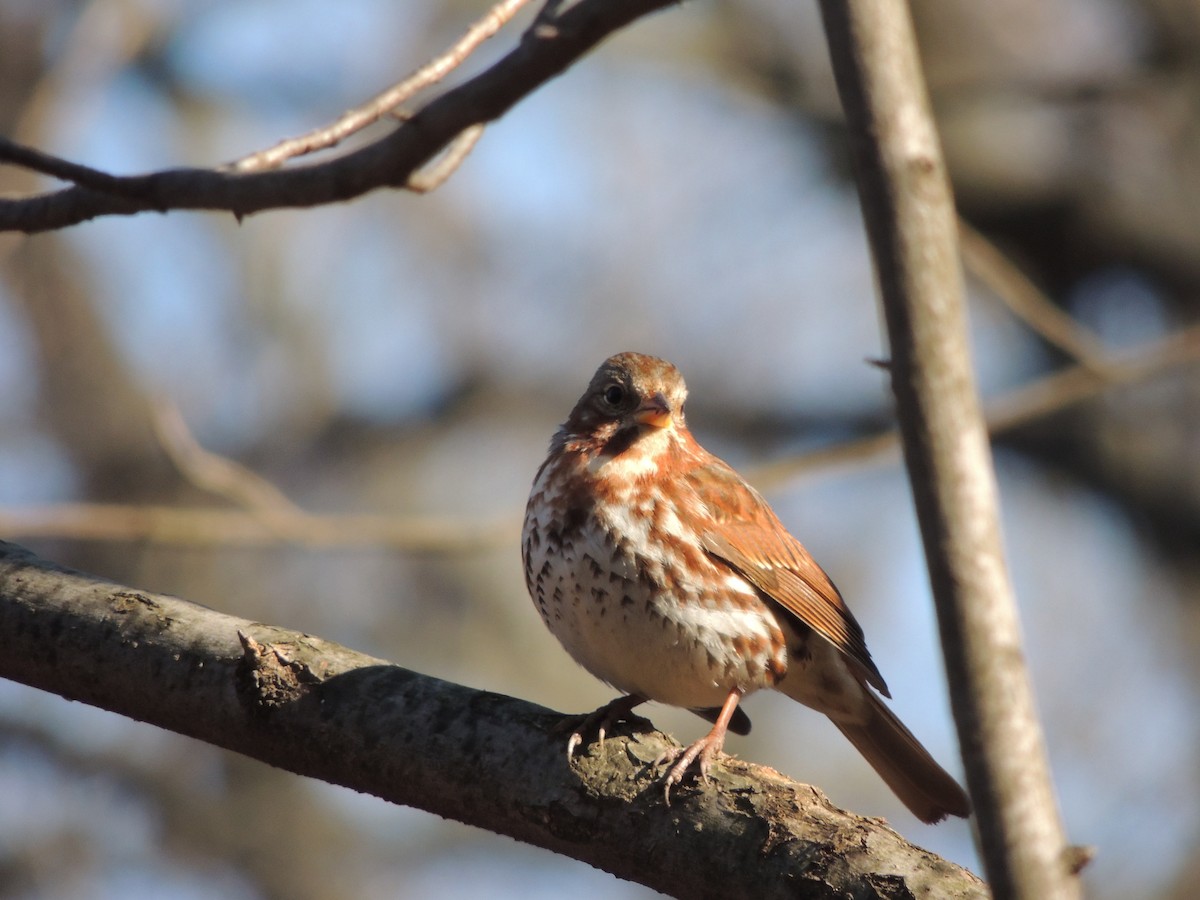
{"x":636,"y":622}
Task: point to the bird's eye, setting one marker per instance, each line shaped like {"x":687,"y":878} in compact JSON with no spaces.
{"x":614,"y":395}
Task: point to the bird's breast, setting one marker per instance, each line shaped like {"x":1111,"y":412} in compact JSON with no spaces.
{"x":623,"y":582}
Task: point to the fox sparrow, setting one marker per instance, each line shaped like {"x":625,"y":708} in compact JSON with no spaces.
{"x":667,"y":576}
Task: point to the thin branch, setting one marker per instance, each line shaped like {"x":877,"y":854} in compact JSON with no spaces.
{"x":559,"y":39}
{"x":1023,"y":298}
{"x":214,"y":473}
{"x":64,"y":170}
{"x":382,"y":104}
{"x":1073,"y":385}
{"x":197,"y":526}
{"x":314,"y":708}
{"x":909,"y":212}
{"x":435,"y":174}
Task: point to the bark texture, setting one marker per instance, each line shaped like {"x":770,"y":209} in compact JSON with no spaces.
{"x":319,"y":709}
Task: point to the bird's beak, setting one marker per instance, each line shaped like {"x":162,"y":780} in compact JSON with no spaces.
{"x":655,"y":412}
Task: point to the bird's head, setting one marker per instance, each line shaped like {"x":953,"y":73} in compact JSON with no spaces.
{"x":631,"y":396}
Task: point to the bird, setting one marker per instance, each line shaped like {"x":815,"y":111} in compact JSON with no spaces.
{"x":667,"y":576}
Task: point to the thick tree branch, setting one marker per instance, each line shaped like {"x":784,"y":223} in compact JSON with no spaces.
{"x":315,"y":708}
{"x":909,"y":212}
{"x":560,"y":37}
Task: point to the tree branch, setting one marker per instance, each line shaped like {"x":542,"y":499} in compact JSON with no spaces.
{"x":558,"y":39}
{"x":315,"y":708}
{"x":1023,"y":298}
{"x":200,"y":526}
{"x":909,"y":212}
{"x":355,"y":120}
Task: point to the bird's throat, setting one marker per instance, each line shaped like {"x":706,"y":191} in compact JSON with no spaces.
{"x":630,"y":454}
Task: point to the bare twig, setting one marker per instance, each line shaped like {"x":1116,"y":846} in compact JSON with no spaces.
{"x":85,"y":176}
{"x":545,"y":51}
{"x":435,"y":174}
{"x":217,"y":474}
{"x":1023,"y":298}
{"x":1062,"y":389}
{"x":857,"y":452}
{"x":377,"y":107}
{"x":909,"y":212}
{"x":205,"y":526}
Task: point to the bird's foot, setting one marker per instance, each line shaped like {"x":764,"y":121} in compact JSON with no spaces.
{"x":704,"y":750}
{"x":602,"y":722}
{"x":702,"y":753}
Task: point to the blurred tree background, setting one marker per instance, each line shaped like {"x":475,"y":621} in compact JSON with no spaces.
{"x":684,"y":191}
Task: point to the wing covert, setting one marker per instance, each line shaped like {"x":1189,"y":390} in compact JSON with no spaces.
{"x":745,"y":533}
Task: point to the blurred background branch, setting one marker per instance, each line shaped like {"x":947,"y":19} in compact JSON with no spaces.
{"x":987,"y":262}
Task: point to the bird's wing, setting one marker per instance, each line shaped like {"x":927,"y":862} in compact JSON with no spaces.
{"x":743,"y":531}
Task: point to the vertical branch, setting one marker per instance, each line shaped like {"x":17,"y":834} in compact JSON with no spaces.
{"x":909,"y":213}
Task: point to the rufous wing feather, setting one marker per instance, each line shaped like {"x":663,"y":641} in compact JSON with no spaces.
{"x":745,"y":533}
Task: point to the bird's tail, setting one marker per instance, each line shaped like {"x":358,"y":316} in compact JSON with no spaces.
{"x":925,"y":788}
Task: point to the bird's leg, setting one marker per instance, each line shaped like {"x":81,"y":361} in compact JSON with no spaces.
{"x":703,"y":751}
{"x":599,"y":722}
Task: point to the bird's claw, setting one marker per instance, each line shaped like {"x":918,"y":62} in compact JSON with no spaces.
{"x":680,"y":759}
{"x":601,"y":722}
{"x":572,"y":742}
{"x":701,"y":753}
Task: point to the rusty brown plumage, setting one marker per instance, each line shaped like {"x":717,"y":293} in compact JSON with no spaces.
{"x":666,"y":575}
